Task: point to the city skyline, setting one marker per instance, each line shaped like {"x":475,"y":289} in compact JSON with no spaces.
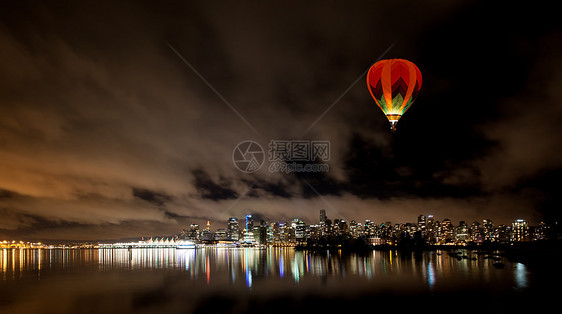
{"x":427,"y":228}
{"x":222,"y":225}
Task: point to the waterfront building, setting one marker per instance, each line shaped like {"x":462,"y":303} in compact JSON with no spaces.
{"x":323,"y":216}
{"x":542,"y":232}
{"x":248,"y":233}
{"x":299,"y":229}
{"x":370,"y":228}
{"x":269,"y":237}
{"x":206,"y":235}
{"x":430,"y":229}
{"x":221,"y":235}
{"x":461,"y":233}
{"x":447,"y":230}
{"x":488,"y":230}
{"x":520,"y":231}
{"x":328,"y":229}
{"x":422,"y":223}
{"x":284,"y":233}
{"x":233,"y":229}
{"x":248,"y":236}
{"x":193,"y":233}
{"x":260,"y":234}
{"x":313,"y":232}
{"x":476,"y":235}
{"x":276,"y":233}
{"x":249,"y":222}
{"x":502,"y":234}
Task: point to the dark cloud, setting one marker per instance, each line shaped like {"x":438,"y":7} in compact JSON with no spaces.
{"x":261,"y":186}
{"x":209,"y":189}
{"x":151,"y":196}
{"x":5,"y":194}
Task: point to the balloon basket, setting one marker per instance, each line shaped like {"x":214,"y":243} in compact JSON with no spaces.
{"x":393,"y":126}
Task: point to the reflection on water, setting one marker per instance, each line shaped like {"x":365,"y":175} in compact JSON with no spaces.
{"x":249,"y":265}
{"x":223,"y":280}
{"x":520,"y":276}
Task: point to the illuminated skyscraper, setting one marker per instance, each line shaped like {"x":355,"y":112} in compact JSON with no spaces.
{"x":421,"y":223}
{"x":284,"y":234}
{"x":221,"y":235}
{"x":323,"y":216}
{"x":248,"y":231}
{"x":461,"y":232}
{"x":430,"y":229}
{"x":193,"y":233}
{"x":488,"y":230}
{"x":249,"y":222}
{"x":502,"y":234}
{"x":447,"y":230}
{"x":233,"y":229}
{"x":354,"y":229}
{"x":476,"y":232}
{"x":370,"y":227}
{"x":520,"y":231}
{"x":299,"y":228}
{"x":260,"y":234}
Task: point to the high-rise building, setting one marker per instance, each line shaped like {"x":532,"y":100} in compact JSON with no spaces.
{"x":488,"y":230}
{"x":249,"y":230}
{"x":327,"y":228}
{"x":430,"y":229}
{"x":502,"y":234}
{"x":313,"y":232}
{"x":438,"y":232}
{"x":206,"y":235}
{"x":370,"y":228}
{"x":354,"y":229}
{"x":542,"y":231}
{"x":249,"y":222}
{"x":422,"y":223}
{"x":276,"y":233}
{"x":269,"y":238}
{"x":193,"y":233}
{"x":300,"y":230}
{"x":447,"y":230}
{"x":221,"y":235}
{"x":339,"y":227}
{"x":476,"y":234}
{"x":284,"y":233}
{"x":233,"y":229}
{"x":260,"y":234}
{"x":323,"y":216}
{"x":461,"y":232}
{"x":520,"y":231}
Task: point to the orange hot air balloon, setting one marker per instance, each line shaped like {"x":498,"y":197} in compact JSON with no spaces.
{"x":394,"y":85}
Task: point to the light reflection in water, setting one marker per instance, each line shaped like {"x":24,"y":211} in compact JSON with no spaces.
{"x":247,"y":266}
{"x":430,"y":275}
{"x":520,"y":276}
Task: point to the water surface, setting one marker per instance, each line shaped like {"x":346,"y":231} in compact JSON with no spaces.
{"x":242,"y":280}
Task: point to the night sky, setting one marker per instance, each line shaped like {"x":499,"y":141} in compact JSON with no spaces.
{"x":120,"y":119}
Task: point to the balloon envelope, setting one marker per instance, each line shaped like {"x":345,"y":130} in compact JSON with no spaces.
{"x":394,"y":85}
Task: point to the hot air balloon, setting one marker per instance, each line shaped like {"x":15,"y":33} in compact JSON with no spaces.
{"x":394,"y":84}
